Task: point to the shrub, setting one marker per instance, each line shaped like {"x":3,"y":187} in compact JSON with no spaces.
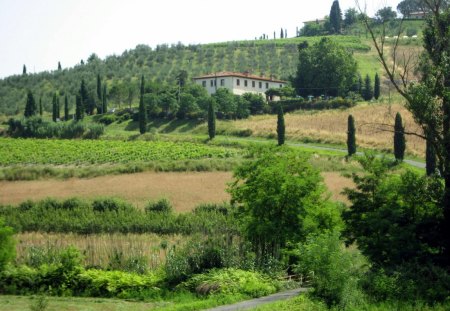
{"x":106,"y":119}
{"x":160,"y":206}
{"x":297,"y":104}
{"x":7,"y":245}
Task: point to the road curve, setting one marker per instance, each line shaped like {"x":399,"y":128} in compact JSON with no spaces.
{"x":245,"y":305}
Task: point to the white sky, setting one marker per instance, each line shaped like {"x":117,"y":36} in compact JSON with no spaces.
{"x":39,"y":33}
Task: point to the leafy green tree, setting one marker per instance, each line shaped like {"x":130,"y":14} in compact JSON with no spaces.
{"x":7,"y":245}
{"x":211,"y":120}
{"x":350,"y":17}
{"x":385,"y":14}
{"x":280,"y":200}
{"x":142,"y":110}
{"x":30,"y":106}
{"x":188,"y":106}
{"x":351,"y":136}
{"x":335,"y":17}
{"x":104,"y":100}
{"x":399,"y":138}
{"x":394,"y":219}
{"x":66,"y":108}
{"x":79,"y":110}
{"x":368,"y":90}
{"x":430,"y":157}
{"x":256,"y":102}
{"x":226,"y":104}
{"x":376,"y":87}
{"x":280,"y":126}
{"x":406,"y":7}
{"x":182,"y":78}
{"x":325,"y":68}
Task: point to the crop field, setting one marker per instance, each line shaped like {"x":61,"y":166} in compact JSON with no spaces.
{"x":76,"y":152}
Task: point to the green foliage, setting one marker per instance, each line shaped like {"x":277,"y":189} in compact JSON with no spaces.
{"x":332,"y":269}
{"x":335,"y":17}
{"x":367,"y":91}
{"x":7,"y":245}
{"x":300,"y":104}
{"x":325,"y":68}
{"x":66,"y":108}
{"x":142,"y":110}
{"x":430,"y":156}
{"x":231,"y":282}
{"x":399,"y":138}
{"x":160,"y":206}
{"x":36,"y":127}
{"x":276,"y":194}
{"x":280,"y":126}
{"x":376,"y":87}
{"x":394,"y":219}
{"x":351,"y":136}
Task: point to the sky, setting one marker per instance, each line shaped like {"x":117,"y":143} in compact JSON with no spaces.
{"x":41,"y":33}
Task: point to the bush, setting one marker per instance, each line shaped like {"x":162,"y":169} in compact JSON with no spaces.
{"x":333,"y":270}
{"x":231,"y":282}
{"x":7,"y":245}
{"x":161,"y":206}
{"x":297,"y":104}
{"x":106,"y":119}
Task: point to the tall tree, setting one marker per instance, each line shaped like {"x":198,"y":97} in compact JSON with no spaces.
{"x":211,"y":119}
{"x":59,"y":66}
{"x":350,"y":17}
{"x":351,"y":136}
{"x":104,"y":100}
{"x":335,"y":17}
{"x":281,"y":34}
{"x":58,"y":108}
{"x":66,"y":108}
{"x":24,"y":70}
{"x":79,"y":110}
{"x":99,"y":87}
{"x":428,"y":100}
{"x":368,"y":90}
{"x":87,"y":102}
{"x":142,"y":110}
{"x":376,"y":87}
{"x":399,"y":138}
{"x":430,"y":157}
{"x":280,"y":126}
{"x":30,"y":106}
{"x":325,"y":68}
{"x":385,"y":14}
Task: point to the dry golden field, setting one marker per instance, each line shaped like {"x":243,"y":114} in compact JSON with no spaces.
{"x":99,"y":249}
{"x":331,"y":126}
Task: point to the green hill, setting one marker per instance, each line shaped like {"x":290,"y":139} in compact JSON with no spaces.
{"x":162,"y":64}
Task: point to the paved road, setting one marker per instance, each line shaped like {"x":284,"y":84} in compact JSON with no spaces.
{"x":248,"y":304}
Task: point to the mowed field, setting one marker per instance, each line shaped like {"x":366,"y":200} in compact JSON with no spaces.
{"x":184,"y":190}
{"x":374,"y":123}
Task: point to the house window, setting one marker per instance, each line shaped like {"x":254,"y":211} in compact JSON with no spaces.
{"x":238,"y":82}
{"x":222,"y":82}
{"x":267,"y":85}
{"x":253,"y":84}
{"x":212,"y":82}
{"x":281,"y":85}
{"x":204,"y":83}
{"x":245,"y":83}
{"x":260,"y":85}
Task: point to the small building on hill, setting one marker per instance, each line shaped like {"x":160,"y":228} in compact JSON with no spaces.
{"x":238,"y":83}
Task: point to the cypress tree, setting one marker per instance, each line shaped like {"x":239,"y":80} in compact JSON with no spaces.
{"x":104,"y":102}
{"x":376,"y":87}
{"x":430,"y":156}
{"x":335,"y":17}
{"x":211,"y":120}
{"x":58,"y":116}
{"x":142,"y":110}
{"x":40,"y":106}
{"x":85,"y":98}
{"x":30,"y":106}
{"x":24,"y":70}
{"x":78,"y":108}
{"x":351,"y":136}
{"x":399,"y":138}
{"x":99,"y":88}
{"x":66,"y":108}
{"x":360,"y":85}
{"x":54,"y":107}
{"x":281,"y":34}
{"x":59,"y":66}
{"x":368,"y":91}
{"x":280,"y":126}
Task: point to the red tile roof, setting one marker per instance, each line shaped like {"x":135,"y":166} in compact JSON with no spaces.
{"x":237,"y":74}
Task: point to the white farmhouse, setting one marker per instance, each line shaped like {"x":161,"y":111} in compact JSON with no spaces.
{"x":238,"y":83}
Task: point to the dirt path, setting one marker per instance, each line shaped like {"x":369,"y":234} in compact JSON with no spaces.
{"x":248,"y":304}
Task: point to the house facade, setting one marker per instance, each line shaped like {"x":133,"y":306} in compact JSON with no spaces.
{"x":238,"y":83}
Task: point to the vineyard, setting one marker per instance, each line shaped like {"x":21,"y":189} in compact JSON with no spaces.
{"x":77,"y":152}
